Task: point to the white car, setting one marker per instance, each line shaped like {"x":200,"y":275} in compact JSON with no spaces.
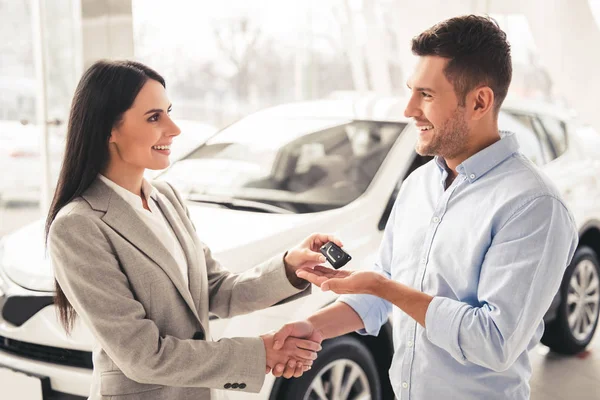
{"x":266,"y":182}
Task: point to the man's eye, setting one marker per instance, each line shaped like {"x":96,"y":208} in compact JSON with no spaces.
{"x":153,"y":118}
{"x":425,"y":95}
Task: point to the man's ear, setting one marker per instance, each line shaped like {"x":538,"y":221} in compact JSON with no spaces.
{"x":482,"y":101}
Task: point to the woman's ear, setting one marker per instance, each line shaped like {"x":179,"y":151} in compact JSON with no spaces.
{"x":112,"y":137}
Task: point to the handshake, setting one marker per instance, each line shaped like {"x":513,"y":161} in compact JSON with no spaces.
{"x":292,"y":350}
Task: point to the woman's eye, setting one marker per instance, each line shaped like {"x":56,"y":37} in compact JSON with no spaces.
{"x":153,"y":118}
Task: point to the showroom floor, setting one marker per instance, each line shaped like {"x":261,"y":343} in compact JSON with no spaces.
{"x":566,"y":378}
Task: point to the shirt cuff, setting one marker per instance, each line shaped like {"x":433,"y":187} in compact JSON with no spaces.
{"x":368,"y":308}
{"x":442,"y":325}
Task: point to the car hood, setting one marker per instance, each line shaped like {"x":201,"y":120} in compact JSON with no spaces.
{"x":226,"y":230}
{"x":228,"y":233}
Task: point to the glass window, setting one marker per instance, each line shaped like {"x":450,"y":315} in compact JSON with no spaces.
{"x":20,"y":134}
{"x":300,"y":165}
{"x":556,"y":131}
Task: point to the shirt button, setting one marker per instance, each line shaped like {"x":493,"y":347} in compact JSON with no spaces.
{"x":472,"y":176}
{"x":423,"y":261}
{"x":405,"y":385}
{"x":436,"y":220}
{"x":410,"y":343}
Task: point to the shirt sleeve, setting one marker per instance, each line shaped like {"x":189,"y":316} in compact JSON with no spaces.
{"x":520,"y":275}
{"x":374,"y":311}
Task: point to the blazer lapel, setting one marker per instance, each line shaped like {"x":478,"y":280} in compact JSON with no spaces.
{"x":122,"y":218}
{"x":189,"y":247}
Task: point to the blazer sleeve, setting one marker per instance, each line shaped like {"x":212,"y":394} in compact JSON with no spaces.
{"x":255,"y":289}
{"x":90,"y":276}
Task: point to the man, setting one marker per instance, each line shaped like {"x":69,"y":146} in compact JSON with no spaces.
{"x":477,"y":242}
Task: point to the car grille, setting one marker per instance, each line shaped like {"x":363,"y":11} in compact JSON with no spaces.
{"x":54,"y":355}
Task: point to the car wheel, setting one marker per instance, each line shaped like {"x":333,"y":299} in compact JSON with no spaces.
{"x":344,"y":370}
{"x":577,"y":315}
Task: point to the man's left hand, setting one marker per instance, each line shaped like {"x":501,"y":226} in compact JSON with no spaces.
{"x":342,"y":281}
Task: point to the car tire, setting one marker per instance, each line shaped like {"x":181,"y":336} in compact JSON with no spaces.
{"x":580,"y":301}
{"x":345,"y":354}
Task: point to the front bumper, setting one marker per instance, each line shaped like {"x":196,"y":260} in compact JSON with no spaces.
{"x":67,"y":383}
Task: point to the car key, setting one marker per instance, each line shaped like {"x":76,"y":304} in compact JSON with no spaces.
{"x":335,"y":255}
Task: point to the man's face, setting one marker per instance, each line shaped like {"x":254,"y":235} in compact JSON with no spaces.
{"x":433,"y":104}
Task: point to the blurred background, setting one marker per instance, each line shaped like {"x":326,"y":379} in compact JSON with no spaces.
{"x":225,"y":60}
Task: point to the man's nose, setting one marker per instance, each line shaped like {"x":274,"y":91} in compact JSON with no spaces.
{"x":412,"y":110}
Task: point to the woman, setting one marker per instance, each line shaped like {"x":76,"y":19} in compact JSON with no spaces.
{"x":128,"y":262}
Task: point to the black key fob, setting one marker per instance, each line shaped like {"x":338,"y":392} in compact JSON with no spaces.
{"x":335,"y":255}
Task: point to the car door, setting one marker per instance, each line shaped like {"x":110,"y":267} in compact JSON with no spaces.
{"x":529,"y":135}
{"x":563,"y":162}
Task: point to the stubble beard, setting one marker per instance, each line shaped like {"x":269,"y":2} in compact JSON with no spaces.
{"x":449,"y":140}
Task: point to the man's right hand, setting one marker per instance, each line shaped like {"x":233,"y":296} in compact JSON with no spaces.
{"x":296,"y":354}
{"x":299,"y":329}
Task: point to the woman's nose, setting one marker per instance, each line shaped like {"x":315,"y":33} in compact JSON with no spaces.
{"x":174,"y":129}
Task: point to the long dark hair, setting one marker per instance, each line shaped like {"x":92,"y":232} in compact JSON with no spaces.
{"x":106,"y":90}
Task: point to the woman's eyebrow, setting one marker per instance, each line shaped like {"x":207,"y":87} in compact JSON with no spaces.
{"x":155,"y":110}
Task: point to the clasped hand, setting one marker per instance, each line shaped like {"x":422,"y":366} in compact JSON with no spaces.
{"x":338,"y":281}
{"x":292,"y":357}
{"x":292,"y":350}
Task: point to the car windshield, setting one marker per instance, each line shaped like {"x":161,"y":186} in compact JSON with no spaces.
{"x":296,"y":165}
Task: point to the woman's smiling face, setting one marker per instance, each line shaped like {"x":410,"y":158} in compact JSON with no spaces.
{"x":143,"y":137}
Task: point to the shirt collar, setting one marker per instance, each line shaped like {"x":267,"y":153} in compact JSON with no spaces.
{"x":443,"y":167}
{"x":485,"y":160}
{"x":134,"y":200}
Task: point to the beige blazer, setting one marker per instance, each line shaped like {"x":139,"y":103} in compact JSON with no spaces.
{"x":152,"y":332}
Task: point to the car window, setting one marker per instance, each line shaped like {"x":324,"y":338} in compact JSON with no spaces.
{"x":300,"y":164}
{"x":557,"y":132}
{"x":547,"y":145}
{"x":525,"y":132}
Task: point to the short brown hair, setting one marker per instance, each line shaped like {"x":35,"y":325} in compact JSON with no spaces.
{"x":478,"y":51}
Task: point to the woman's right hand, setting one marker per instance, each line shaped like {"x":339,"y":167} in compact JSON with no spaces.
{"x":297,"y":354}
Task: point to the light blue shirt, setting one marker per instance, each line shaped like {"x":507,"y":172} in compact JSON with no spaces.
{"x":492,"y":249}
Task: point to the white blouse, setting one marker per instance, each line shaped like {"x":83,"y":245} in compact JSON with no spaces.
{"x":154,"y":219}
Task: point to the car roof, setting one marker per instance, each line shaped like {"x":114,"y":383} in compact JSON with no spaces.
{"x":537,"y":107}
{"x":369,"y":108}
{"x":373,"y":107}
